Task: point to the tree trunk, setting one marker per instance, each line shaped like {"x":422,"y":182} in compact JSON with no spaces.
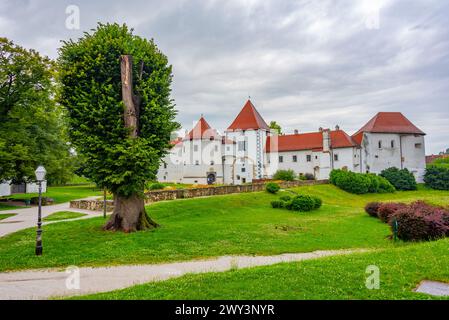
{"x":129,"y":215}
{"x":129,"y":212}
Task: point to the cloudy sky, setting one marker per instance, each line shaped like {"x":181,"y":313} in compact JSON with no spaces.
{"x":305,"y":64}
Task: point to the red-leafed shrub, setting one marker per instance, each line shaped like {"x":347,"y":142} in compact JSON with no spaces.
{"x":372,"y":208}
{"x":420,"y":221}
{"x":386,"y":210}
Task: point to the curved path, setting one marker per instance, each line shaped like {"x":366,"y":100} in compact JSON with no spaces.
{"x":44,"y":284}
{"x":27,"y":218}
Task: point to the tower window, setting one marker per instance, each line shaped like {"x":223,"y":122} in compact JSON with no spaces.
{"x":243,"y":169}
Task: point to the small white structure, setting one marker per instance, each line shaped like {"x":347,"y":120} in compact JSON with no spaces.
{"x":250,"y":150}
{"x":7,"y":189}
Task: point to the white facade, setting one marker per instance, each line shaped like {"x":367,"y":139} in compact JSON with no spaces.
{"x":252,"y":151}
{"x":6,"y":189}
{"x":385,"y":150}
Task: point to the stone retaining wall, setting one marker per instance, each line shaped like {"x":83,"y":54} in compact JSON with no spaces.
{"x":163,"y":195}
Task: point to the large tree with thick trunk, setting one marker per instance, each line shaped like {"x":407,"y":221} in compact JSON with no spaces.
{"x":116,"y":89}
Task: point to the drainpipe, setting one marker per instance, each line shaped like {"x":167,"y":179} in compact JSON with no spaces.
{"x":400,"y":151}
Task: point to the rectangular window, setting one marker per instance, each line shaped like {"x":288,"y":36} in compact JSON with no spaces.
{"x":392,"y":143}
{"x":380,"y":144}
{"x":309,"y":158}
{"x":242,"y":146}
{"x":165,"y":166}
{"x":281,"y":159}
{"x":243,"y":169}
{"x":335,"y":157}
{"x":295,"y":158}
{"x":418,"y":145}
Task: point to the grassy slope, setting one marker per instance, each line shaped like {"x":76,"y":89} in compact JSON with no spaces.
{"x":207,"y":227}
{"x":6,"y":215}
{"x":341,"y":277}
{"x":62,"y":215}
{"x":64,"y":193}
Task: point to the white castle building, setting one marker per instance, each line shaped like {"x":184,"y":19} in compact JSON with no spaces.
{"x":250,"y":150}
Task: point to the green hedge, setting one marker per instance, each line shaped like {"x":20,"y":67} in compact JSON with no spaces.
{"x":401,"y":179}
{"x":272,"y":187}
{"x":437,"y":177}
{"x":360,"y":183}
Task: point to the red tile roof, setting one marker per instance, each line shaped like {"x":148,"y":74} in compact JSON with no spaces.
{"x":202,"y":130}
{"x":248,"y":118}
{"x":308,"y":141}
{"x":176,"y":141}
{"x":389,"y":122}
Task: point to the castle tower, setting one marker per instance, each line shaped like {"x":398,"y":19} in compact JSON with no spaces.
{"x":249,"y":130}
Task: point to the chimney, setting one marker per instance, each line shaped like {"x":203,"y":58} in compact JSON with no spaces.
{"x":296,"y":131}
{"x":337,"y":127}
{"x":326,"y":139}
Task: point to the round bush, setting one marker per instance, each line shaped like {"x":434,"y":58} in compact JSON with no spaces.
{"x":272,"y":187}
{"x":285,"y":198}
{"x":386,"y":210}
{"x":354,"y":182}
{"x":277,"y":204}
{"x":302,"y":203}
{"x":317,"y":201}
{"x":437,"y":177}
{"x":401,"y":179}
{"x":372,"y":208}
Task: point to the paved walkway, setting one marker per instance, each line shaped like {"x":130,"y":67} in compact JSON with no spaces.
{"x":43,"y":284}
{"x":26,"y":218}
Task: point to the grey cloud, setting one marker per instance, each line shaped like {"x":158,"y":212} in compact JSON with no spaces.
{"x":304,"y":63}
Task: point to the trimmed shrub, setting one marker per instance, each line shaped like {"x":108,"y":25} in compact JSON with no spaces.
{"x":285,"y":175}
{"x":318,"y":202}
{"x":272,"y":187}
{"x":285,"y":198}
{"x":277,"y":204}
{"x":401,"y":179}
{"x":302,"y":203}
{"x":420,"y":221}
{"x":386,"y":210}
{"x":354,"y":182}
{"x":437,"y":177}
{"x":335,"y":175}
{"x":372,"y":208}
{"x":360,"y":183}
{"x":309,"y":176}
{"x":156,"y":186}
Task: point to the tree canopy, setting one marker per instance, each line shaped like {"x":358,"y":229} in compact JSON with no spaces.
{"x":90,"y":77}
{"x":32,"y":129}
{"x":275,"y":126}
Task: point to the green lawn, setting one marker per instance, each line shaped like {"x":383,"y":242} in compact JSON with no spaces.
{"x":341,"y":277}
{"x":208,"y":227}
{"x":6,"y":215}
{"x":64,"y":193}
{"x":62,"y":215}
{"x":9,"y":207}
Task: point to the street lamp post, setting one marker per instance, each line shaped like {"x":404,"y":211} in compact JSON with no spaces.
{"x":40,"y":176}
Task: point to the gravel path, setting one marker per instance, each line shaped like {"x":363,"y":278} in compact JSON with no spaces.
{"x":26,"y":218}
{"x":43,"y":284}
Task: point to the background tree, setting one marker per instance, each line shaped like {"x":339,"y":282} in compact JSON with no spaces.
{"x":31,"y":126}
{"x":120,"y":155}
{"x":275,"y":126}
